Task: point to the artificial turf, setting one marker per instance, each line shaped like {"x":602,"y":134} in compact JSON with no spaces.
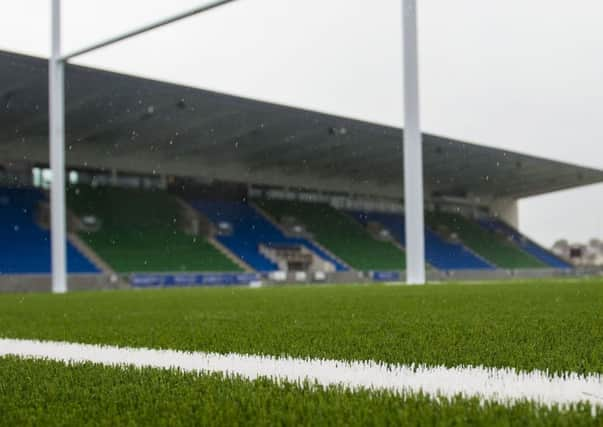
{"x":547,"y":325}
{"x":50,"y":393}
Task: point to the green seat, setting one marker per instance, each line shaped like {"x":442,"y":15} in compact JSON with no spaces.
{"x":340,"y":234}
{"x":492,"y":247}
{"x":141,"y":231}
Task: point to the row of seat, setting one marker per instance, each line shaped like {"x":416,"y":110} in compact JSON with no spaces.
{"x":24,"y":245}
{"x":250,"y":230}
{"x":490,"y":246}
{"x":439,"y":253}
{"x":142,"y":231}
{"x":340,"y":234}
{"x":532,"y":248}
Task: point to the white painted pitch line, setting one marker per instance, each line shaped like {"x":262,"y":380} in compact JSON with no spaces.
{"x":500,"y":385}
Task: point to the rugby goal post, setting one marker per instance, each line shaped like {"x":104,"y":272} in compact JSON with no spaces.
{"x":413,"y":166}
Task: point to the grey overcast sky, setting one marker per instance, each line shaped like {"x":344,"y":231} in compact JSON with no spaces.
{"x":524,"y":75}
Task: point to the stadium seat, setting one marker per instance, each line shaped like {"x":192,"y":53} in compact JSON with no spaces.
{"x":439,"y":253}
{"x":24,"y":245}
{"x":498,"y":226}
{"x":491,"y":246}
{"x":141,"y":231}
{"x":340,"y":234}
{"x":249,"y":230}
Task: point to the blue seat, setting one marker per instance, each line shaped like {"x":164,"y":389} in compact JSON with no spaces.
{"x":250,"y":230}
{"x":537,"y":251}
{"x":24,"y":245}
{"x":439,"y":253}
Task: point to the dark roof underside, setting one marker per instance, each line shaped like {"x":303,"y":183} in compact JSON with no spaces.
{"x":134,"y":124}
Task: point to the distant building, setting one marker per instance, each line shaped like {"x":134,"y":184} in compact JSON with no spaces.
{"x":590,"y":254}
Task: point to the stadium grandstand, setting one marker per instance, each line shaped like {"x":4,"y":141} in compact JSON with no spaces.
{"x":174,"y":185}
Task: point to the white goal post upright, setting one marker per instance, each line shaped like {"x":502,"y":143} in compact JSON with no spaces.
{"x":56,"y":111}
{"x":413,"y":150}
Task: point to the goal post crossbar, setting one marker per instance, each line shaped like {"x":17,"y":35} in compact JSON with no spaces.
{"x":145,"y":28}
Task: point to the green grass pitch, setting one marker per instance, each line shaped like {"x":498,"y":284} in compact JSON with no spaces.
{"x":554,"y":325}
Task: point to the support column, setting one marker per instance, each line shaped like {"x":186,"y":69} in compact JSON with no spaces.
{"x":506,"y":209}
{"x":56,"y":112}
{"x":413,"y":150}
